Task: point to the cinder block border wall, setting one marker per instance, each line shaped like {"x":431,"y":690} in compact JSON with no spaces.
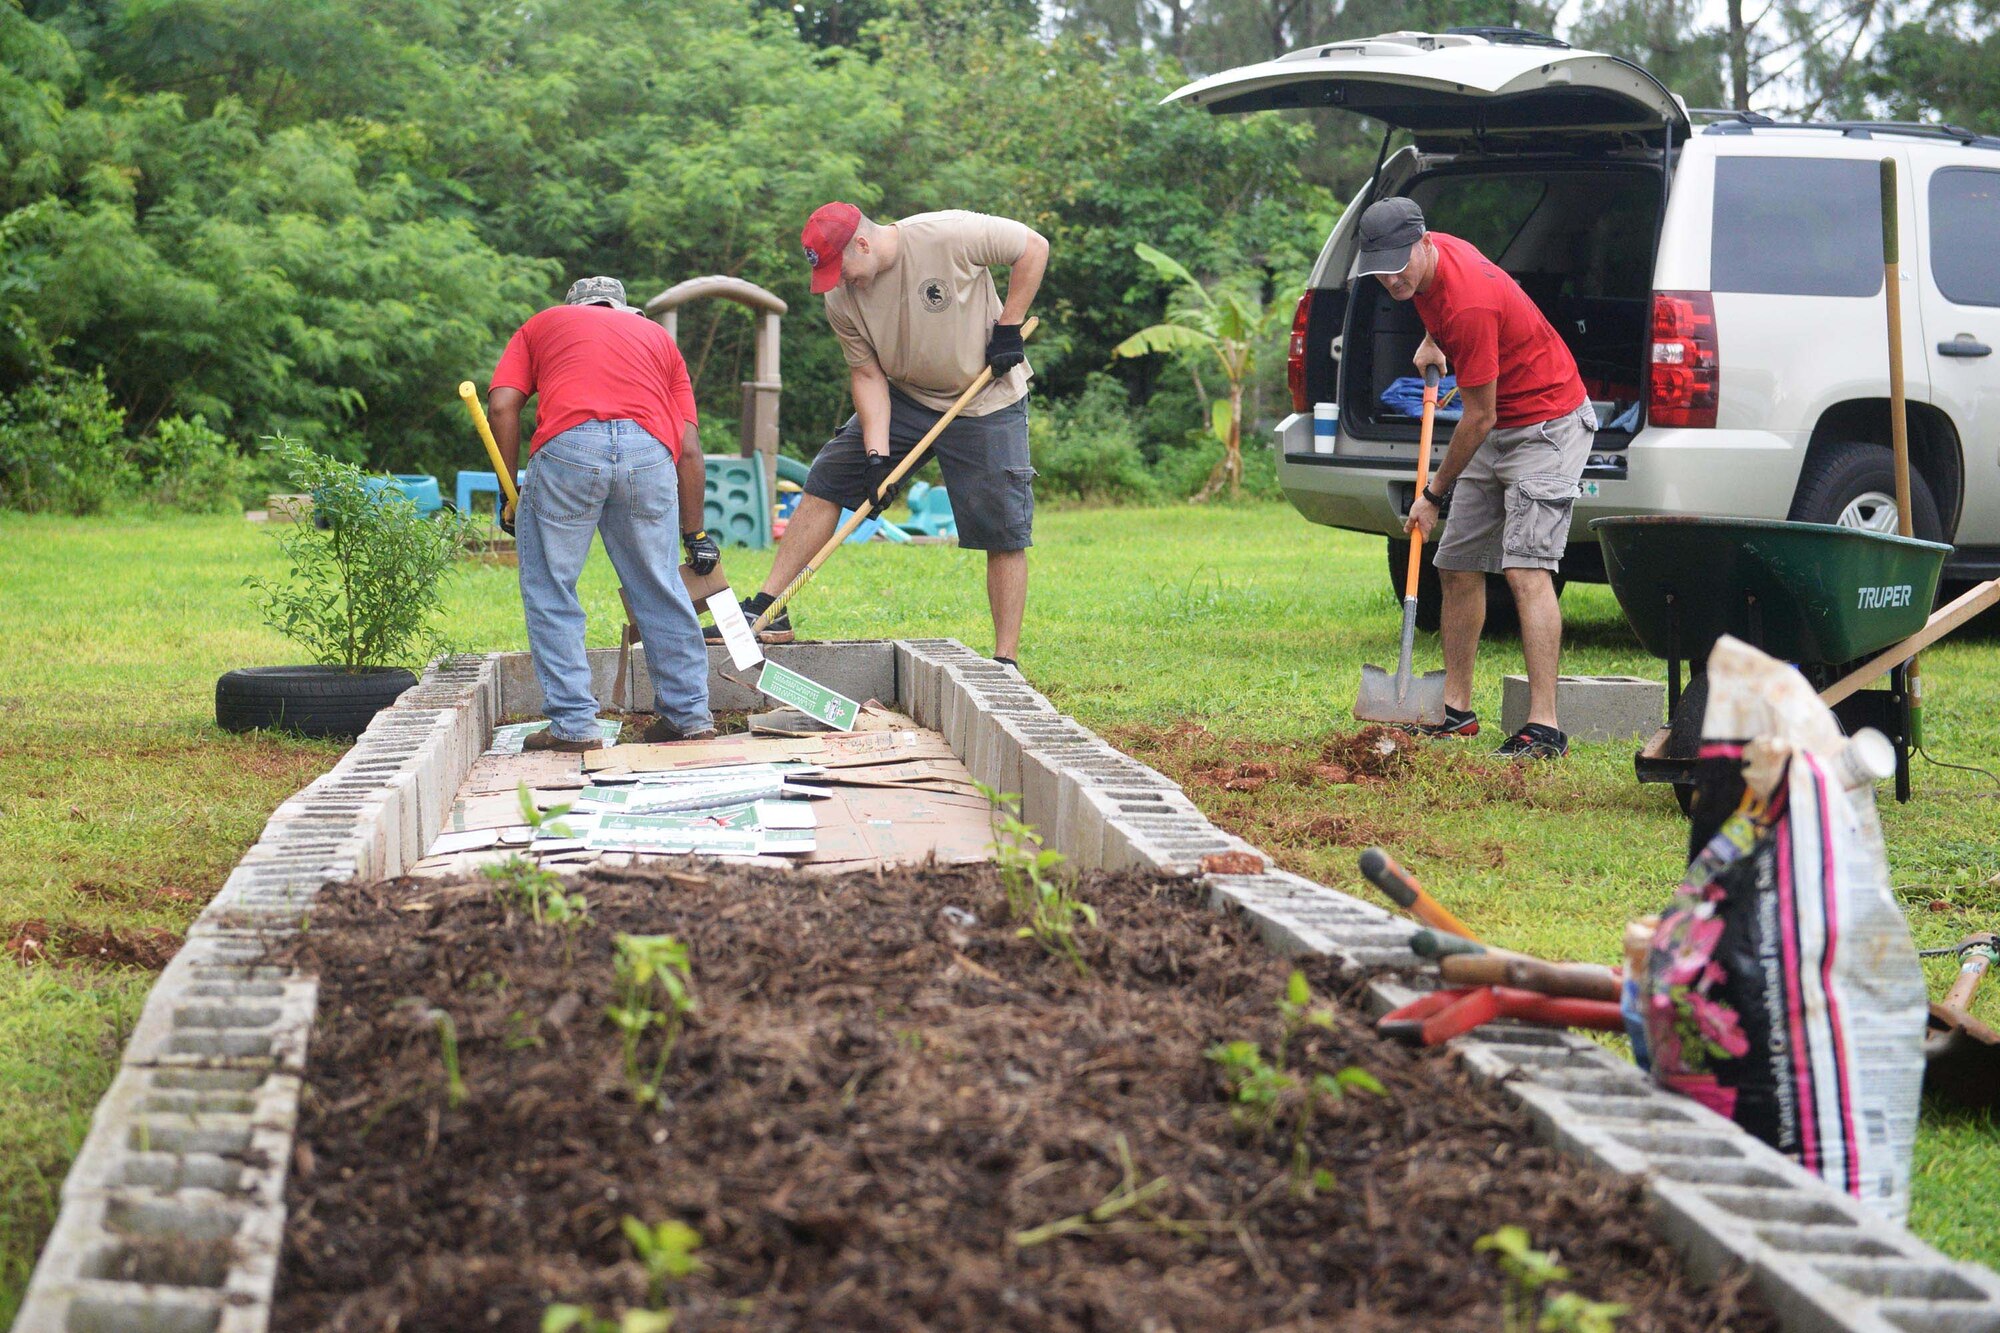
{"x":193,"y":1139}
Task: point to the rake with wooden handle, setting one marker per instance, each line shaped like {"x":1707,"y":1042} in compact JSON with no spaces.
{"x":867,"y":507}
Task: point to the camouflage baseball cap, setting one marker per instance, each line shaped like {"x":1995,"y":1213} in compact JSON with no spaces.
{"x":598,"y":291}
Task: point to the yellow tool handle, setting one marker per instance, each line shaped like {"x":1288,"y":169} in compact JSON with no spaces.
{"x":867,"y":507}
{"x":470,"y":394}
{"x":1401,"y":888}
{"x":1423,"y":475}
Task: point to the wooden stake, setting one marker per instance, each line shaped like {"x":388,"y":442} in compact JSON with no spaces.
{"x":1899,"y":426}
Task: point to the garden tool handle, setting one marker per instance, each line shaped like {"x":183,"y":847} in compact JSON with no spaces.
{"x":1423,"y":476}
{"x":1396,"y":883}
{"x":867,"y":506}
{"x":1976,"y":957}
{"x":1574,"y":981}
{"x":470,"y":393}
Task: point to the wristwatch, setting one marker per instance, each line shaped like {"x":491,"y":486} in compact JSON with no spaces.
{"x":1434,"y":498}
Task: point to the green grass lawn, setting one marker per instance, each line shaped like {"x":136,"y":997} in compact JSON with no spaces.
{"x":1195,"y":637}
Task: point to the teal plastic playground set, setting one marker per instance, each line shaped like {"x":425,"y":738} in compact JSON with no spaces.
{"x":737,"y":507}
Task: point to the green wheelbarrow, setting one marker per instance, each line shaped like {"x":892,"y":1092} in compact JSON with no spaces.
{"x":1818,"y":596}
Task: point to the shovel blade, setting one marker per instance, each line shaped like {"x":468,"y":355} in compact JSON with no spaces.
{"x":1419,"y":703}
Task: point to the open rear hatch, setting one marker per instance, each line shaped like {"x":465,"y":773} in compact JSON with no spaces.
{"x":1492,"y":105}
{"x":1447,"y":87}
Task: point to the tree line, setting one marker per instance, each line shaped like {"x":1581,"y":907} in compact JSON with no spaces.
{"x":230,"y":219}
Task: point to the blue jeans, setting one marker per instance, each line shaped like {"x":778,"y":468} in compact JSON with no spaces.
{"x":614,"y":478}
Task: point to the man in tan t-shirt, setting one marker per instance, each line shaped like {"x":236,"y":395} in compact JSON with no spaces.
{"x":916,"y":311}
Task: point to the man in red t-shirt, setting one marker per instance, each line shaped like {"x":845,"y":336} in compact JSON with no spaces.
{"x":615,"y":453}
{"x":1512,"y":471}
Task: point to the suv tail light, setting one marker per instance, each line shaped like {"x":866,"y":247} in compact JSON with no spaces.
{"x":1685,"y":377}
{"x":1295,"y":359}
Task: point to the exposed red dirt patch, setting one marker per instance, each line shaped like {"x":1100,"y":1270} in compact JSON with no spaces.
{"x":38,"y":941}
{"x":1372,"y":752}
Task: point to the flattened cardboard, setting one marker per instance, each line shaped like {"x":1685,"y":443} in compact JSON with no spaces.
{"x":809,"y":696}
{"x":829,"y":751}
{"x":540,"y":769}
{"x":863,"y":827}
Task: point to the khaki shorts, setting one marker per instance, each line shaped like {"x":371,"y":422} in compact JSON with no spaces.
{"x":1510,"y":508}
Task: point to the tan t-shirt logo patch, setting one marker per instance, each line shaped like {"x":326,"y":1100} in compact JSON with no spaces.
{"x":933,"y":292}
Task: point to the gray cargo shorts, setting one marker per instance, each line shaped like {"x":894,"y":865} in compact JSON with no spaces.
{"x":1510,"y":508}
{"x":984,"y":461}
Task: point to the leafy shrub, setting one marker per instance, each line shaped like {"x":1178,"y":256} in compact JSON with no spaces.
{"x":62,"y":446}
{"x":1088,"y":448}
{"x":189,"y":467}
{"x":366,"y":572}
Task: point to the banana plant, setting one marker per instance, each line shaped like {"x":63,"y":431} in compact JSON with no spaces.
{"x":1226,"y":319}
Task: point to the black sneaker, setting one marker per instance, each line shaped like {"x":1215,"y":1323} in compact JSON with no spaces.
{"x":778,"y":631}
{"x":1457,"y":722}
{"x":1535,"y":741}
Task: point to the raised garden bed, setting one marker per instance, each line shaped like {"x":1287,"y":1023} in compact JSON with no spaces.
{"x":882,"y":1089}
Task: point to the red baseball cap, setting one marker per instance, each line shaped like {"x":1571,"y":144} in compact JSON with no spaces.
{"x":826,"y":234}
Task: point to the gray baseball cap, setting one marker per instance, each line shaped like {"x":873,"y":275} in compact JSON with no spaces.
{"x":598,"y":291}
{"x":1389,"y":230}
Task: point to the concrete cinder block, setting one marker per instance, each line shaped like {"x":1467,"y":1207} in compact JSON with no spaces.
{"x":1592,"y":708}
{"x":98,"y":1269}
{"x":860,"y":669}
{"x":221,"y":1132}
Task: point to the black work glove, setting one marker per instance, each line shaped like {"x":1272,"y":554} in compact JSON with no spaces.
{"x":1004,"y":350}
{"x":702,"y":552}
{"x":880,"y":493}
{"x":507,"y":518}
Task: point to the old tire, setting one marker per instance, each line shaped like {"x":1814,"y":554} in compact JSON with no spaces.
{"x":1853,"y":485}
{"x":311,"y":700}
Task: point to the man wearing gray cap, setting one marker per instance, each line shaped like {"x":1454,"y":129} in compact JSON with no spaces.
{"x":616,"y":453}
{"x":1512,"y":471}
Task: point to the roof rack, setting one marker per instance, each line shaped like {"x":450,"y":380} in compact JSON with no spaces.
{"x":1745,"y":122}
{"x":1511,"y":37}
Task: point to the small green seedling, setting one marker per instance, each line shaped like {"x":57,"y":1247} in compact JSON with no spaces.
{"x":1572,"y":1312}
{"x":447,"y":1034}
{"x":652,"y":970}
{"x":666,"y":1249}
{"x":1104,"y":1219}
{"x":1264,"y":1089}
{"x":1527,"y":1271}
{"x":521,"y":885}
{"x":1046,"y":903}
{"x":547,"y":821}
{"x":583,"y":1319}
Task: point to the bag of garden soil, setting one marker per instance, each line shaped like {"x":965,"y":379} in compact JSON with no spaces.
{"x":1781,"y":988}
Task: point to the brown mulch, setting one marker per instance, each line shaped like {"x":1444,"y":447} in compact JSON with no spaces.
{"x":883,"y":1085}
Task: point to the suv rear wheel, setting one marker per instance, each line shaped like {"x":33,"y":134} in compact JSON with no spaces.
{"x":1853,"y":485}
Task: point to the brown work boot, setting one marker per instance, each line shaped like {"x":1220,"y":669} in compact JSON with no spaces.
{"x":546,"y":739}
{"x":661,"y":732}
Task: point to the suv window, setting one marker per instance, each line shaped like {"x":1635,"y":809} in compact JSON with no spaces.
{"x":1488,"y":210}
{"x":1797,"y":226}
{"x":1965,"y":217}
